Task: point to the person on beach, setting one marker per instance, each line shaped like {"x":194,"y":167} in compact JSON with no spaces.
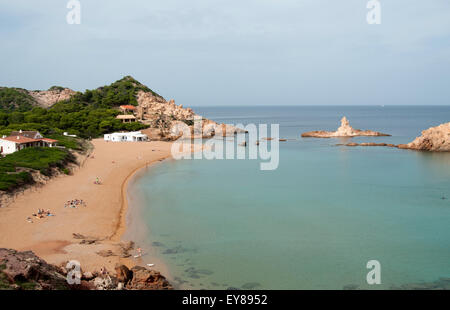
{"x":139,"y":252}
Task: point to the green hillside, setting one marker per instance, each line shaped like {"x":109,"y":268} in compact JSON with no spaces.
{"x":88,"y":115}
{"x":15,"y":99}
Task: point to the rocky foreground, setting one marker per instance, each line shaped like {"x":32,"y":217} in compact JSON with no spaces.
{"x":26,"y":271}
{"x":345,"y":130}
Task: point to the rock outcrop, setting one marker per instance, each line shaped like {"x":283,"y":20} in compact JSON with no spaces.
{"x":145,"y":279}
{"x":24,"y":270}
{"x":370,"y":144}
{"x":345,"y":130}
{"x":171,"y":118}
{"x":47,"y":98}
{"x":435,"y":139}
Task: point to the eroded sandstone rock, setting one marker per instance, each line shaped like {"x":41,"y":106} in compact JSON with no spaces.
{"x":345,"y":130}
{"x":435,"y":139}
{"x":47,"y":98}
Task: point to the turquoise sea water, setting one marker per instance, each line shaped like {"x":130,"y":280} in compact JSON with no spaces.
{"x":313,"y":223}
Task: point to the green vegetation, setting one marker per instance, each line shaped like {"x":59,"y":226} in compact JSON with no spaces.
{"x":4,"y":283}
{"x":87,"y":115}
{"x":56,"y":88}
{"x":15,"y":99}
{"x":121,"y":92}
{"x":67,"y":142}
{"x":14,"y":168}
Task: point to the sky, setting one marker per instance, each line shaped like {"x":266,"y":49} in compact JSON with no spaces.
{"x":235,"y":52}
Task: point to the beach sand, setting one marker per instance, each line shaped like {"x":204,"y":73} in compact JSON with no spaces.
{"x":104,"y":216}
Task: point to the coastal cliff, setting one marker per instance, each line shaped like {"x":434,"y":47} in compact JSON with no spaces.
{"x":435,"y":139}
{"x":345,"y":130}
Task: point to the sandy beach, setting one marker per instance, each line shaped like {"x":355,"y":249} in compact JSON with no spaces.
{"x":103,"y":217}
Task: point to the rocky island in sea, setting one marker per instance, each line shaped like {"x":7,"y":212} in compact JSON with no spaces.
{"x":434,"y":139}
{"x":345,"y":130}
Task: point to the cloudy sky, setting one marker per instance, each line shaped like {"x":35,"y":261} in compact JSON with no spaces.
{"x":235,"y":52}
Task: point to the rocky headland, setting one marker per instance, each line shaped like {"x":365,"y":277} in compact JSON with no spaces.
{"x":169,"y":118}
{"x":434,"y":139}
{"x":345,"y":130}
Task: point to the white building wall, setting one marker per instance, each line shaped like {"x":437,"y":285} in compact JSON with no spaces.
{"x":7,"y":147}
{"x":125,"y":136}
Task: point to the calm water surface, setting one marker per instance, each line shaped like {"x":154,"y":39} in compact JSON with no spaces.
{"x":313,"y":223}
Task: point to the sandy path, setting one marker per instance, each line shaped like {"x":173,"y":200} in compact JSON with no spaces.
{"x":103,"y":218}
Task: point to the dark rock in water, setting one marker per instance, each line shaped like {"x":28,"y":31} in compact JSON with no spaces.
{"x":351,"y":287}
{"x":177,"y":250}
{"x":233,"y":289}
{"x":204,"y":272}
{"x":251,"y":285}
{"x":197,"y":273}
{"x":180,"y":281}
{"x":215,"y":284}
{"x":24,"y":270}
{"x":157,"y":244}
{"x":441,"y":284}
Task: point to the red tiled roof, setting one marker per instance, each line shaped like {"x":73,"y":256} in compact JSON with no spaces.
{"x":48,"y":140}
{"x":128,"y":107}
{"x":19,"y":139}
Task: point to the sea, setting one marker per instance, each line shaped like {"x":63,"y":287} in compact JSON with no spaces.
{"x":318,"y":221}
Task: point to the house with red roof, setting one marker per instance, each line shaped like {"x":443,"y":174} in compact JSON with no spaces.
{"x":127,"y":108}
{"x":19,"y":140}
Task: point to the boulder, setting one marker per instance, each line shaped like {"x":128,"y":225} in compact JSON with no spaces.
{"x":123,"y":274}
{"x":144,"y":279}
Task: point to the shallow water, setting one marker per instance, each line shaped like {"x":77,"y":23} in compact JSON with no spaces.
{"x":313,"y":223}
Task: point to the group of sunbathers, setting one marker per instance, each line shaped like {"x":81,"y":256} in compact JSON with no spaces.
{"x":40,"y":215}
{"x":75,"y":203}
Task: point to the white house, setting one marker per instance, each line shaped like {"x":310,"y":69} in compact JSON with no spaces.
{"x":135,"y":136}
{"x":23,"y":139}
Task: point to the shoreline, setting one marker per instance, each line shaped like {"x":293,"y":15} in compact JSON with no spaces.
{"x":104,"y":218}
{"x":127,"y":218}
{"x":133,"y":229}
